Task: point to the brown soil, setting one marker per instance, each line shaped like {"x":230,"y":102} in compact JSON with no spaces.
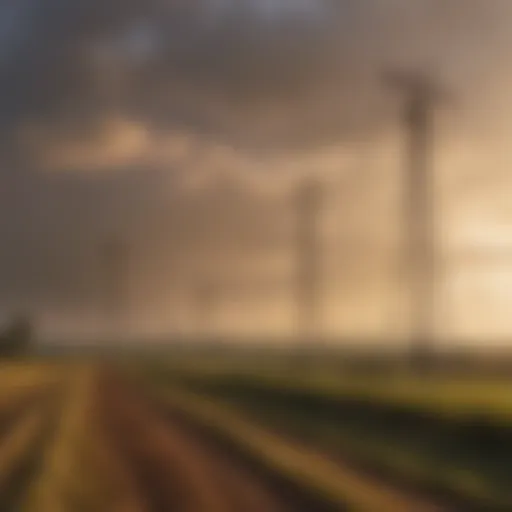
{"x":171,"y":466}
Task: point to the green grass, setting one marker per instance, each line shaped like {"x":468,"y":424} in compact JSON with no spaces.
{"x":443,"y":395}
{"x":446,"y":436}
{"x":309,"y":471}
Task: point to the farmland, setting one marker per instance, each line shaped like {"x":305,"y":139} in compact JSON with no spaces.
{"x":85,"y":438}
{"x":155,"y":436}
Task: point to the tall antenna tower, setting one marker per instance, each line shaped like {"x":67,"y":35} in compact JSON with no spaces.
{"x":115,"y":283}
{"x":419,"y":208}
{"x":308,"y":203}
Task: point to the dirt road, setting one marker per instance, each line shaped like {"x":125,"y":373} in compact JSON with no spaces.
{"x":170,"y":467}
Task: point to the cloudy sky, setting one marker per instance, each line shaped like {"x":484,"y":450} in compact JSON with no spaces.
{"x":182,"y":126}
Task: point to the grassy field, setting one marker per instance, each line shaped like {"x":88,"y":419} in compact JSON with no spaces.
{"x":356,"y":441}
{"x":444,"y":436}
{"x":72,"y":439}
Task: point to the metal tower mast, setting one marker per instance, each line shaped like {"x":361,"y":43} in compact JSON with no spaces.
{"x":115,"y":283}
{"x":419,"y":210}
{"x":308,"y":204}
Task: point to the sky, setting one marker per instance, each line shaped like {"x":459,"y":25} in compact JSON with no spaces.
{"x":183,"y":126}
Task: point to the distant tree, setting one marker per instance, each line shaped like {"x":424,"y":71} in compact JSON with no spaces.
{"x":16,"y":337}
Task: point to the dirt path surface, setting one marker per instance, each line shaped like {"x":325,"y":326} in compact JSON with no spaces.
{"x":170,"y":467}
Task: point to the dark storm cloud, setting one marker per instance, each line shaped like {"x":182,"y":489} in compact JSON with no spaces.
{"x":225,"y":68}
{"x":254,"y":74}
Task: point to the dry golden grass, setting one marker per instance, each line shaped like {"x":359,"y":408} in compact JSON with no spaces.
{"x":50,"y":490}
{"x":17,"y":379}
{"x":20,"y":442}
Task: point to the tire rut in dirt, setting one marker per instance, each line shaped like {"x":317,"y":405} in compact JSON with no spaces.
{"x":292,"y":497}
{"x":126,"y":435}
{"x":180,"y":468}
